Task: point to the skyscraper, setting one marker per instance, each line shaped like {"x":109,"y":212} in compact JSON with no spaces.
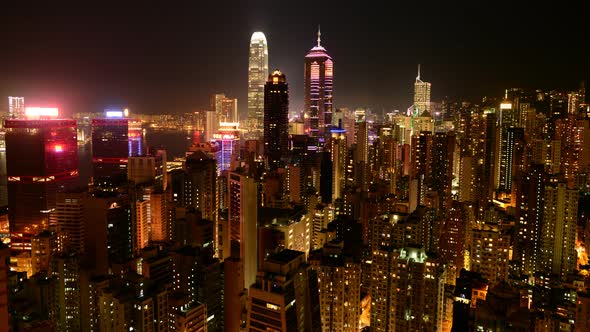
{"x":227,"y":140}
{"x":421,"y":95}
{"x":16,"y":107}
{"x":558,"y":238}
{"x":257,"y":74}
{"x":242,"y":234}
{"x":110,"y":150}
{"x":318,"y":85}
{"x":49,"y":165}
{"x":226,"y":108}
{"x":200,"y":187}
{"x":276,"y":120}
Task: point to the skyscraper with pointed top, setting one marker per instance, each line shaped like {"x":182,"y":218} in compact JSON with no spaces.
{"x":257,"y":75}
{"x":318,"y":82}
{"x":421,"y":95}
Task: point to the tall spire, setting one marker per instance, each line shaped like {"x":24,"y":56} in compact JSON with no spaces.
{"x":418,"y":77}
{"x":319,"y":34}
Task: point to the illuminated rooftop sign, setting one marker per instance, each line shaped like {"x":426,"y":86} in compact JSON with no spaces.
{"x":35,"y":112}
{"x":114,"y":114}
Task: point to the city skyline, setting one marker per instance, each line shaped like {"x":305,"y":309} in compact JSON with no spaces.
{"x":92,"y":59}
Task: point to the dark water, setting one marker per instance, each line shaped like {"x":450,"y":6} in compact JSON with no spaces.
{"x":175,"y":143}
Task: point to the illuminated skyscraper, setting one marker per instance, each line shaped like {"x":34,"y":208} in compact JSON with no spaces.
{"x":16,"y":107}
{"x":318,"y":85}
{"x":257,"y":74}
{"x":49,"y":165}
{"x":226,"y":108}
{"x":421,"y":95}
{"x":276,"y":120}
{"x":110,"y":150}
{"x":338,"y":153}
{"x":227,"y":140}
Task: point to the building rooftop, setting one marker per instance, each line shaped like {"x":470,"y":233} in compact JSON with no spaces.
{"x":284,"y":256}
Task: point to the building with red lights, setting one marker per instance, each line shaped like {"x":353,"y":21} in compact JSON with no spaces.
{"x":41,"y":160}
{"x":110,"y":150}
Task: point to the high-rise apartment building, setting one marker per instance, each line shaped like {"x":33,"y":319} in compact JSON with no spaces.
{"x":284,"y":297}
{"x":558,"y":237}
{"x":318,"y":87}
{"x":339,"y":282}
{"x":407,"y":290}
{"x":257,"y":75}
{"x":490,"y":251}
{"x":243,"y":218}
{"x":338,"y":154}
{"x":276,"y":120}
{"x":200,"y":184}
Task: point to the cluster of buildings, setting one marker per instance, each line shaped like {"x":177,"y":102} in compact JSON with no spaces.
{"x":449,"y":216}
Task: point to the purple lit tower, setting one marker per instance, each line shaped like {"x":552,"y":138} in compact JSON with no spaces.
{"x":319,"y":75}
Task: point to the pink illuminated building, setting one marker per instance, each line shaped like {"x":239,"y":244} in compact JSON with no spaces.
{"x":319,"y":74}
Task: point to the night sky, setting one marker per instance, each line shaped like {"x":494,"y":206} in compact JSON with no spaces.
{"x":167,"y":59}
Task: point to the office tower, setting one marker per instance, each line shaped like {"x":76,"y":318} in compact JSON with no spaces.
{"x":226,"y":108}
{"x":490,"y":248}
{"x":66,"y":270}
{"x":276,"y":120}
{"x":4,"y":268}
{"x":68,"y":216}
{"x":318,"y":85}
{"x":361,"y":155}
{"x":421,"y":95}
{"x":110,"y":150}
{"x":16,"y":107}
{"x":284,"y":290}
{"x":149,"y":169}
{"x":49,"y":166}
{"x":529,"y":212}
{"x":407,"y":290}
{"x":227,"y":140}
{"x":338,"y":154}
{"x":558,"y":237}
{"x":242,"y":216}
{"x":257,"y":75}
{"x":211,"y":125}
{"x":200,"y":184}
{"x":339,"y":281}
{"x":136,"y":145}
